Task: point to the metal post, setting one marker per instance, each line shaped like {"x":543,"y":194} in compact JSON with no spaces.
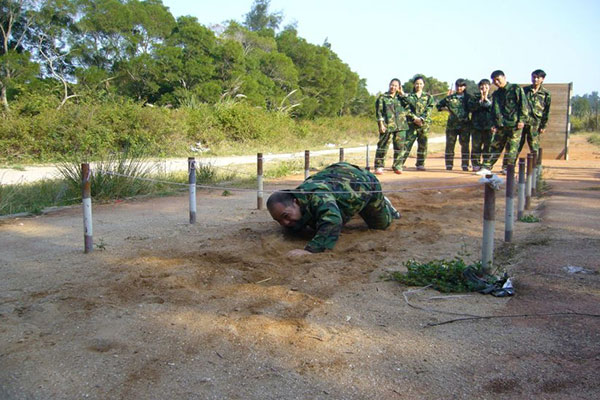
{"x":534,"y":174}
{"x":521,"y":198}
{"x":489,"y":221}
{"x":86,"y":197}
{"x":568,"y":127}
{"x":539,"y":165}
{"x":306,"y":163}
{"x":341,"y":154}
{"x":528,"y":181}
{"x":509,"y":214}
{"x":192,"y":187}
{"x":259,"y":179}
{"x":368,"y":168}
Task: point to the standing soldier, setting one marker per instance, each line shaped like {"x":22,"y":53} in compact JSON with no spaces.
{"x":509,"y":108}
{"x":391,"y":109}
{"x":482,"y":122}
{"x":327,"y":200}
{"x":458,"y":124}
{"x":419,"y":118}
{"x":539,"y":100}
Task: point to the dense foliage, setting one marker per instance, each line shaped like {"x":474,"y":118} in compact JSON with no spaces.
{"x":585,"y":112}
{"x":83,"y":50}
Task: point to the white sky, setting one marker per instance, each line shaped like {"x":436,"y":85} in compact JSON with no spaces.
{"x":446,"y":39}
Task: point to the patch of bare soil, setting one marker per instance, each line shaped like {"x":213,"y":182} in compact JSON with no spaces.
{"x":163,"y":309}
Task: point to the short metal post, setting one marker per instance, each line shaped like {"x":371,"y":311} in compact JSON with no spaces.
{"x":521,"y":197}
{"x":534,"y":174}
{"x":259,"y":180}
{"x":192,"y":187}
{"x":368,"y":167}
{"x":489,"y":221}
{"x":509,"y":214}
{"x":306,"y":163}
{"x":528,"y":181}
{"x":86,"y":196}
{"x":539,"y":165}
{"x":341,"y":154}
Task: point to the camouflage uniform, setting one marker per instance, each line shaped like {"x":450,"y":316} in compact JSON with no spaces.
{"x":481,"y":131}
{"x":539,"y":111}
{"x":392,"y":111}
{"x":420,"y":107}
{"x":458,"y":125}
{"x":509,"y":107}
{"x":358,"y":192}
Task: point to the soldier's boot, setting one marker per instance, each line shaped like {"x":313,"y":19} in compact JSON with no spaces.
{"x":395,"y":213}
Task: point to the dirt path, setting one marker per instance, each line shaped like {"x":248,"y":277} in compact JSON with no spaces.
{"x":162,"y":309}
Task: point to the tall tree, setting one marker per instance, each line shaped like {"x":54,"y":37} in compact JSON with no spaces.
{"x":16,"y":18}
{"x":259,"y":17}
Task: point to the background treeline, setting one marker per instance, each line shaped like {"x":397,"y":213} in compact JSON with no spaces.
{"x":585,"y":112}
{"x":87,"y":77}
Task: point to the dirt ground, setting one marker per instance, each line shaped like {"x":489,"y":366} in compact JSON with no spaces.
{"x":162,"y":309}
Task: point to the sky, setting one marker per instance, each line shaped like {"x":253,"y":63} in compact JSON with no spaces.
{"x":446,"y":39}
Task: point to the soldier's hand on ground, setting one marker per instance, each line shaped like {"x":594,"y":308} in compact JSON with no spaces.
{"x":298,"y":253}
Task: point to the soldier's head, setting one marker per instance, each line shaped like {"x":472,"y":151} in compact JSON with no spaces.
{"x":461,"y":85}
{"x":537,"y":77}
{"x":394,"y":85}
{"x":484,"y":86}
{"x":418,"y":83}
{"x":284,"y":208}
{"x":498,"y":78}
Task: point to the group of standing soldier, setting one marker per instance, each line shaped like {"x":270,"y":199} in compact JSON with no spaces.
{"x":511,"y":117}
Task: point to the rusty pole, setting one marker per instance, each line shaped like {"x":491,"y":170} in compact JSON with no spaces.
{"x":192,"y":188}
{"x":489,"y":221}
{"x":509,"y":215}
{"x":368,"y":168}
{"x":341,"y":154}
{"x":259,"y":179}
{"x":539,"y":165}
{"x":86,"y":197}
{"x":534,"y":174}
{"x":528,"y":181}
{"x":306,"y":163}
{"x":521,"y":198}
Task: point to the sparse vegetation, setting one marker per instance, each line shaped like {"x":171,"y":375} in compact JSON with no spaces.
{"x":529,"y":218}
{"x":444,"y":276}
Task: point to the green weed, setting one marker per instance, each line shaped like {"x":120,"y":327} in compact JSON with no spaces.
{"x":529,"y":218}
{"x":444,"y":276}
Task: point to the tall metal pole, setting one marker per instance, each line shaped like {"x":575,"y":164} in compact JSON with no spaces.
{"x":521,"y":197}
{"x":368,"y":167}
{"x":192,"y":188}
{"x":509,"y":215}
{"x":528,"y":181}
{"x":259,"y":179}
{"x":489,"y":222}
{"x":306,"y":163}
{"x":86,"y":196}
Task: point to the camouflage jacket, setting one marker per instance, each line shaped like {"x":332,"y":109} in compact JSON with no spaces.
{"x":539,"y":105}
{"x":420,"y":107}
{"x":342,"y":190}
{"x":509,"y":106}
{"x":457,"y":106}
{"x":392,"y":111}
{"x":481,"y":113}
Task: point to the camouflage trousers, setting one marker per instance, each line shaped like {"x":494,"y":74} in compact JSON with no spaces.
{"x":530,"y":134}
{"x":463,"y":134}
{"x":420,"y":135}
{"x":505,"y":137}
{"x":376,"y":213}
{"x":398,"y":138}
{"x":480,"y":146}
